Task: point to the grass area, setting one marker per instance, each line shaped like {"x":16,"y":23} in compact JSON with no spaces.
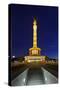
{"x":17,"y":69}
{"x":52,"y":68}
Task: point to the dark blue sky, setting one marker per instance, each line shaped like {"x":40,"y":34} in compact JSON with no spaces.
{"x":22,"y":31}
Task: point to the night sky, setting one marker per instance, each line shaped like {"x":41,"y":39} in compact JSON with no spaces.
{"x":22,"y":31}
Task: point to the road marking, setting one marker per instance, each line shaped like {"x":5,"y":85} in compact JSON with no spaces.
{"x":49,"y":78}
{"x":20,"y":80}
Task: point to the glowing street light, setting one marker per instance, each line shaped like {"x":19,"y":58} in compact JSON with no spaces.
{"x":13,"y":56}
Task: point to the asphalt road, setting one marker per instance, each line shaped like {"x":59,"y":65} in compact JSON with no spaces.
{"x":34,"y":76}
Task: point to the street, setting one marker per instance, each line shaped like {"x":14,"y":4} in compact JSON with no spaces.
{"x":34,"y":75}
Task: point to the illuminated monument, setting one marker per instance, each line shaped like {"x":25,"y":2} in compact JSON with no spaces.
{"x":34,"y":52}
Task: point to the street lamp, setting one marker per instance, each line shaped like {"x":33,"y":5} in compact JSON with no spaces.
{"x":13,"y":56}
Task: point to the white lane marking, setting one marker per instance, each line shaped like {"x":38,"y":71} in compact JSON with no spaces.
{"x":24,"y":80}
{"x":21,"y":79}
{"x":45,"y":78}
{"x":49,"y":78}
